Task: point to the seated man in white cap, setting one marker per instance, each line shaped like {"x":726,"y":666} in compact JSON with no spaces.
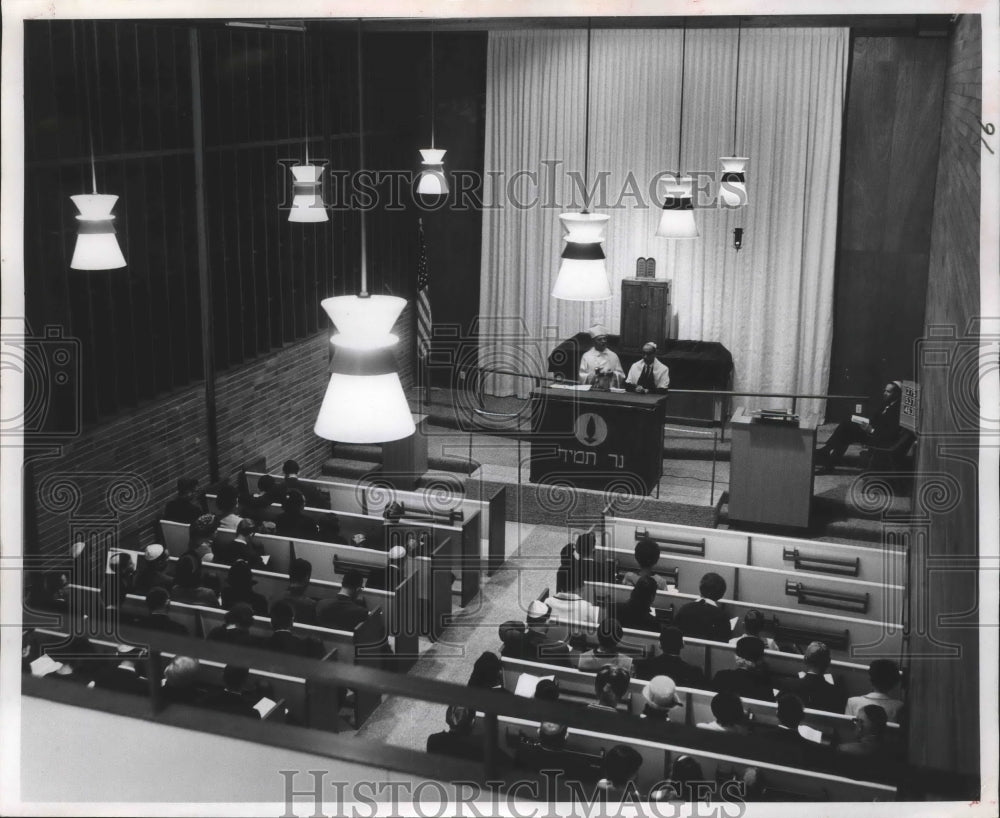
{"x":599,"y":360}
{"x":153,"y":570}
{"x":648,"y":374}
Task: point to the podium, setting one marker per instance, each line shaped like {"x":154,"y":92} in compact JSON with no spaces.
{"x":771,"y":470}
{"x":597,"y":440}
{"x":404,"y":461}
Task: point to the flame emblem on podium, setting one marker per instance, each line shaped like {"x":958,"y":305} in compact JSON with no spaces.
{"x":590,"y":429}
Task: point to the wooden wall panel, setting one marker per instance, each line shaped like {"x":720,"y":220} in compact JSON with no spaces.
{"x":891,"y":133}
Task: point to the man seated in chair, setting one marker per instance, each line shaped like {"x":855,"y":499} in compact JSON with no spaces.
{"x":880,"y":430}
{"x":648,"y":374}
{"x":599,"y":360}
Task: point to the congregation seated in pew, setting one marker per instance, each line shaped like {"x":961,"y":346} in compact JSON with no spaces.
{"x":236,"y":697}
{"x":158,"y":619}
{"x":812,"y":686}
{"x":487,"y":672}
{"x":609,"y":637}
{"x":636,"y":613}
{"x":610,"y":687}
{"x":749,"y":679}
{"x":458,"y":742}
{"x":188,"y":505}
{"x":348,"y":608}
{"x":153,"y":570}
{"x":705,"y":618}
{"x":669,"y":662}
{"x":293,"y":521}
{"x":647,"y":555}
{"x":189,"y":586}
{"x":236,"y":625}
{"x":241,"y":547}
{"x":884,"y":676}
{"x":536,"y":639}
{"x":660,"y":696}
{"x":753,"y":625}
{"x":282,"y":639}
{"x":730,"y":717}
{"x":239,"y":588}
{"x":567,"y":604}
{"x":299,"y":576}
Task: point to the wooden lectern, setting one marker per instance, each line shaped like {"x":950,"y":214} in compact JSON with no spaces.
{"x":771,"y":470}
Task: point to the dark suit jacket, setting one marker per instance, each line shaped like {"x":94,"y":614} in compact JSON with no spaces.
{"x":816,"y":693}
{"x":746,"y":683}
{"x":147,"y":578}
{"x":123,"y":681}
{"x":230,"y":552}
{"x":162,"y":622}
{"x":340,"y":613}
{"x":226,"y":701}
{"x":304,"y":607}
{"x":288,"y":642}
{"x":230,"y":596}
{"x":462,"y":746}
{"x":298,"y":527}
{"x":640,"y":619}
{"x":885,"y":425}
{"x":180,"y":510}
{"x":683,"y":673}
{"x":701,"y":620}
{"x":234,"y":636}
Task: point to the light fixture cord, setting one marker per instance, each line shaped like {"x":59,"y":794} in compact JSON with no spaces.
{"x":433,"y":109}
{"x":90,"y":114}
{"x":680,"y":118}
{"x":361,"y":151}
{"x":736,"y":95}
{"x":305,"y":93}
{"x":586,"y":125}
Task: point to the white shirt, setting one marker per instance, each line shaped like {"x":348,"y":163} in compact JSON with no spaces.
{"x":593,"y":360}
{"x":573,"y":609}
{"x":661,"y":373}
{"x":890,"y":705}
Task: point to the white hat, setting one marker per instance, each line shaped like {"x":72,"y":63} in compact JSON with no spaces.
{"x":397,"y":552}
{"x":661,"y":693}
{"x":537,"y":610}
{"x":597,"y":330}
{"x":153,"y":552}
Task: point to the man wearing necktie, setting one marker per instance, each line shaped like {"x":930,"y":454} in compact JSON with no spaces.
{"x":648,"y":374}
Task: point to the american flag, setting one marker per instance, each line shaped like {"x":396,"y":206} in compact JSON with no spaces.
{"x":424,"y":320}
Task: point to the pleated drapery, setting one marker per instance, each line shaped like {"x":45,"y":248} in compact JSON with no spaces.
{"x":770,"y":303}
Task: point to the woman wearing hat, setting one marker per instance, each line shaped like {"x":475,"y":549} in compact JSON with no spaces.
{"x":661,"y":697}
{"x":239,"y":588}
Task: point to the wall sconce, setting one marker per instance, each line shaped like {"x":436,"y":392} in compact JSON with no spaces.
{"x":737,"y":238}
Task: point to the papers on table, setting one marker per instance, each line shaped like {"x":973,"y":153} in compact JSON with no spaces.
{"x":575,"y":387}
{"x":526,"y":684}
{"x":265,"y":706}
{"x":44,"y":665}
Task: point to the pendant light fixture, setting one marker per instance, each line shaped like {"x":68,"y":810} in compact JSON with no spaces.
{"x":96,"y":245}
{"x":364,"y":401}
{"x":583,"y":274}
{"x":307,"y":196}
{"x":432,"y":181}
{"x":677,"y":219}
{"x":732,"y":186}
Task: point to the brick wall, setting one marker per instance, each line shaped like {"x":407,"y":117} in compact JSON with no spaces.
{"x":114,"y":479}
{"x":944,"y":689}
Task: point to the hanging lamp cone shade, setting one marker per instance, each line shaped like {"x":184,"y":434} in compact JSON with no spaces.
{"x":677,"y":218}
{"x":432,"y":181}
{"x":307,"y":197}
{"x":364,"y":401}
{"x":583,"y":273}
{"x":96,"y":245}
{"x":733,"y":184}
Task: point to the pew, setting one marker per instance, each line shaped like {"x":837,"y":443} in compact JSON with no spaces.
{"x":433,"y":570}
{"x":290,"y":692}
{"x":697,"y":703}
{"x":715,"y":656}
{"x":776,"y":586}
{"x":356,"y":515}
{"x":884,"y":564}
{"x":846,"y":636}
{"x":372,"y":499}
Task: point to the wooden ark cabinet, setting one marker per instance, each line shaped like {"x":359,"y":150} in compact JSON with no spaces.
{"x":645,"y":313}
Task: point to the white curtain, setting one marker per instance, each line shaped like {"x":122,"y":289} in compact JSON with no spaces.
{"x":771,"y":303}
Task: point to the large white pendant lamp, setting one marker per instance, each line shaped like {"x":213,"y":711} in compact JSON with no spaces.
{"x":307,"y":195}
{"x":583,"y":273}
{"x":677,"y":219}
{"x":432,"y":181}
{"x":364,"y":401}
{"x":96,"y":246}
{"x":733,"y":182}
